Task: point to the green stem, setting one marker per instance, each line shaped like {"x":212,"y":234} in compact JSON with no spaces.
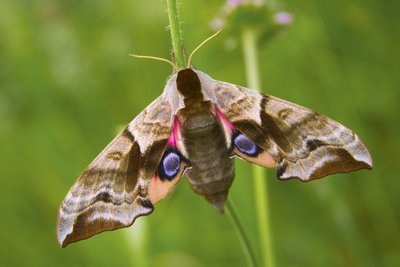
{"x":231,"y":211}
{"x":249,"y":41}
{"x":180,"y":61}
{"x":176,"y":34}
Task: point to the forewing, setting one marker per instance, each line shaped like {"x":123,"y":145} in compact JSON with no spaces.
{"x":113,"y":191}
{"x":303,"y":143}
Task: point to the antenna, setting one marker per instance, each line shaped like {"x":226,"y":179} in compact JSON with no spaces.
{"x":157,"y":58}
{"x":200,"y":45}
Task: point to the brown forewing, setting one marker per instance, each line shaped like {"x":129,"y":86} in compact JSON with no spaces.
{"x":303,"y":143}
{"x":113,"y":190}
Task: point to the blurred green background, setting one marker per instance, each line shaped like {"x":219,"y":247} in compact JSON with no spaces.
{"x":67,"y":85}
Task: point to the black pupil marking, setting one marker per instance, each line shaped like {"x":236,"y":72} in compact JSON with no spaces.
{"x":170,"y":165}
{"x":245,"y":145}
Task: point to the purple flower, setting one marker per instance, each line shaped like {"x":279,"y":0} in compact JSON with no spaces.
{"x":234,"y":2}
{"x":283,"y":18}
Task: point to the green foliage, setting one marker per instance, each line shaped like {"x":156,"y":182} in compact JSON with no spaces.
{"x":67,"y":84}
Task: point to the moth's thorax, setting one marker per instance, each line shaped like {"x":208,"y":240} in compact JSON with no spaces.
{"x":189,"y":86}
{"x":195,"y":121}
{"x":197,"y":112}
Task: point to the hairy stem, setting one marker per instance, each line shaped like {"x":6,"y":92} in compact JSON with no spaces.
{"x":249,"y":42}
{"x":176,"y":34}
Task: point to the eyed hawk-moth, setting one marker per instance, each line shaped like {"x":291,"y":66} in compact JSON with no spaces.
{"x":195,"y":128}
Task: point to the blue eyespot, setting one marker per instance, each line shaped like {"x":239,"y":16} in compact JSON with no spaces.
{"x":169,"y":166}
{"x":245,"y":145}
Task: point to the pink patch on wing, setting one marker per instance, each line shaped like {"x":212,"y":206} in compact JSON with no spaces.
{"x":173,"y":139}
{"x":223,"y":119}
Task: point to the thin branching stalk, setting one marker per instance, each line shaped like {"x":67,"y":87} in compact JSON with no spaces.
{"x":250,"y":49}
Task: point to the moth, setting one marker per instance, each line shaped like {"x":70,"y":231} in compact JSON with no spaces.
{"x":195,"y":128}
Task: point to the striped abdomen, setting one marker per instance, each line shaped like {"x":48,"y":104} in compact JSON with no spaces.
{"x":212,"y":169}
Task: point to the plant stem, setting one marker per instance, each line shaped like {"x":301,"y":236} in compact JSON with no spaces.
{"x":180,"y":61}
{"x":231,"y":211}
{"x":249,"y":42}
{"x":176,"y":34}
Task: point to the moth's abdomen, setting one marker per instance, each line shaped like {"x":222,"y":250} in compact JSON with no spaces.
{"x":212,"y":169}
